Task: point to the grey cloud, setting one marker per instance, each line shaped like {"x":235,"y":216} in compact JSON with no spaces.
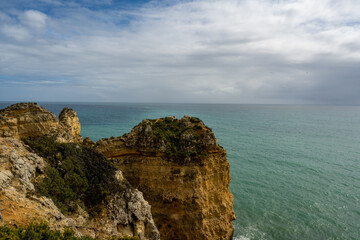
{"x":196,"y":51}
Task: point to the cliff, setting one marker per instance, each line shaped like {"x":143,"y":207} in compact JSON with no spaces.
{"x":31,"y":175}
{"x":52,"y":174}
{"x":30,"y":119}
{"x":183,"y":173}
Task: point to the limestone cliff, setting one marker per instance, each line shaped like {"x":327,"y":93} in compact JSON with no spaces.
{"x":125,"y":212}
{"x":183,"y":173}
{"x":177,"y":164}
{"x":30,"y":119}
{"x":70,"y":123}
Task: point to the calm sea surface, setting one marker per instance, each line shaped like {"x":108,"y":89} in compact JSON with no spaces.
{"x":295,"y":169}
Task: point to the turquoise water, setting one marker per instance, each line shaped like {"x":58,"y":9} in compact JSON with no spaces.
{"x":295,"y":169}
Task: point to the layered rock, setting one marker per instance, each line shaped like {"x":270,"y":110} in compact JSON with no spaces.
{"x":177,"y":164}
{"x":70,"y":123}
{"x":30,"y":119}
{"x":126,"y":214}
{"x":183,"y":173}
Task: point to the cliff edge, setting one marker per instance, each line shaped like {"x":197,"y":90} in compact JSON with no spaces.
{"x":53,"y":178}
{"x":30,"y":119}
{"x":183,"y":173}
{"x":47,"y":172}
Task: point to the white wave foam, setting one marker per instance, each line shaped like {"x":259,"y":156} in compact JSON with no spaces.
{"x":250,"y":233}
{"x":241,"y":238}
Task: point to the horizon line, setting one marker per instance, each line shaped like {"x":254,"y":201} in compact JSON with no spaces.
{"x":185,"y":103}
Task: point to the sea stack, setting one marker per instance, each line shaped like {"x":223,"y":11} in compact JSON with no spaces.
{"x":183,"y":173}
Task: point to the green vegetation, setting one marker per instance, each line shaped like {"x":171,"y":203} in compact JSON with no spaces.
{"x":37,"y":231}
{"x":41,"y":231}
{"x":172,"y":131}
{"x":75,"y":175}
{"x":124,"y":238}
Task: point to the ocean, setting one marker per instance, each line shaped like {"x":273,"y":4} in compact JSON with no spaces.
{"x":295,"y":169}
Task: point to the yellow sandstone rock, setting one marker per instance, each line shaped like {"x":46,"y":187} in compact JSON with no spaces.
{"x":31,"y":120}
{"x":183,"y":174}
{"x":125,"y":213}
{"x":178,"y":166}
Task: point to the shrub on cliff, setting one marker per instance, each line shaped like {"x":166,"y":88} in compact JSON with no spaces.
{"x":75,"y":175}
{"x":124,"y":238}
{"x":38,"y":231}
{"x":41,"y":231}
{"x":181,"y":136}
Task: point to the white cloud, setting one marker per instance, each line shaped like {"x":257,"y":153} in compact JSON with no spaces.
{"x":222,"y":51}
{"x":16,"y":32}
{"x":34,"y":19}
{"x":25,"y":26}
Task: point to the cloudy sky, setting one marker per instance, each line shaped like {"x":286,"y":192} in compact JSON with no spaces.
{"x":225,"y":51}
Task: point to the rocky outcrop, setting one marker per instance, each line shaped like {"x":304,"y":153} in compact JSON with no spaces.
{"x":30,"y":119}
{"x":71,"y":125}
{"x":126,"y":214}
{"x":177,"y":164}
{"x":183,"y":173}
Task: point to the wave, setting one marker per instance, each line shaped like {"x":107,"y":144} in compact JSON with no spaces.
{"x":241,"y":238}
{"x":250,"y":233}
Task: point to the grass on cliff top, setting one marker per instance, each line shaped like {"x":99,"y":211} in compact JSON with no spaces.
{"x":170,"y":130}
{"x":41,"y":231}
{"x":75,"y":175}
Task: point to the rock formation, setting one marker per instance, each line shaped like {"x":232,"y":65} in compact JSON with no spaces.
{"x":125,"y":214}
{"x":29,"y":119}
{"x":182,"y":172}
{"x":70,"y":122}
{"x":177,"y":164}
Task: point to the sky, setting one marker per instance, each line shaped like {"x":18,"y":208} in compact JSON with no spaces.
{"x":181,"y":51}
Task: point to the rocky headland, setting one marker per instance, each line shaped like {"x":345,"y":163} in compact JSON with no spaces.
{"x":174,"y":165}
{"x":26,"y":195}
{"x":30,"y":119}
{"x":182,"y":172}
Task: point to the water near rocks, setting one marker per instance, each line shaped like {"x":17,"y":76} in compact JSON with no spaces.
{"x":295,"y":169}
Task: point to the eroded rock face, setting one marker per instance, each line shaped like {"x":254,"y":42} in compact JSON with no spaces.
{"x":26,"y":119}
{"x":30,"y":119}
{"x":71,"y":125}
{"x":183,"y":173}
{"x":126,"y":214}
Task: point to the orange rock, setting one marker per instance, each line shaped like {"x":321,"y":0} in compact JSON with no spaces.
{"x":183,"y":174}
{"x":30,"y":119}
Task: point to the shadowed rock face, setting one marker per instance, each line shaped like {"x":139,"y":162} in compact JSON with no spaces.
{"x":126,"y":212}
{"x":183,"y":173}
{"x":31,"y":120}
{"x":177,"y":164}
